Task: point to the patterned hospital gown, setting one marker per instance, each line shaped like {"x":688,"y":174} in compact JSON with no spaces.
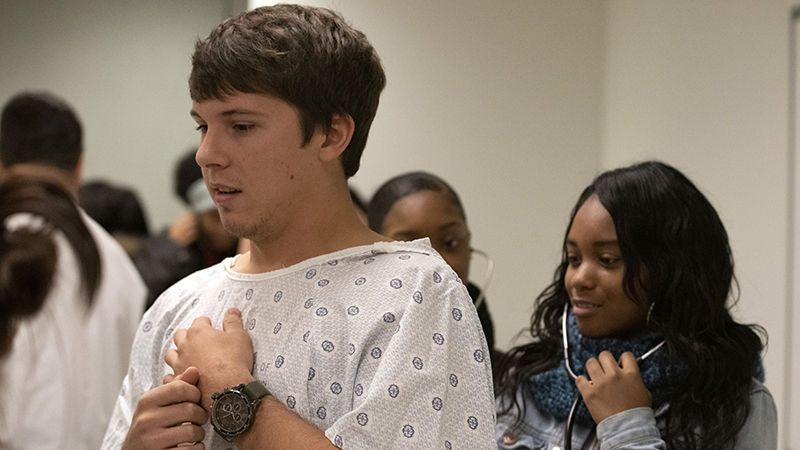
{"x":379,"y":346}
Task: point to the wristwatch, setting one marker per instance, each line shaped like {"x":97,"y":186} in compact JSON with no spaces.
{"x":234,"y":409}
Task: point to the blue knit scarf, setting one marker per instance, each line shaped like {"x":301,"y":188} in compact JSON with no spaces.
{"x":553,"y":391}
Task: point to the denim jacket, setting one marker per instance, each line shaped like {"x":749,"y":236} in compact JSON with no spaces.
{"x":634,"y":429}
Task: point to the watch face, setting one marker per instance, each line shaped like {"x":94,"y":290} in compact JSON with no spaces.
{"x":231,"y":413}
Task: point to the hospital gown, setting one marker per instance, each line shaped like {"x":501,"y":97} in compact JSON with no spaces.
{"x":379,"y":346}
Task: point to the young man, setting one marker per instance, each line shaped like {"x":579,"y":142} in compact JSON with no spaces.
{"x":356,"y":342}
{"x":63,"y":376}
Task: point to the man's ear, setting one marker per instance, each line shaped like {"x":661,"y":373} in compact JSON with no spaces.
{"x":337,"y":137}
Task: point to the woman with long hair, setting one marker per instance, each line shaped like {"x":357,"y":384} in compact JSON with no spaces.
{"x":633,"y":344}
{"x":49,"y":272}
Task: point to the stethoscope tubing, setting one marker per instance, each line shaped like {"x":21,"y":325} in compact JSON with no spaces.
{"x":576,"y":403}
{"x":489,"y":273}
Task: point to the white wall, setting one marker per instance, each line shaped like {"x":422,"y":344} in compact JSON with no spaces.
{"x":124,"y":66}
{"x":704,"y":86}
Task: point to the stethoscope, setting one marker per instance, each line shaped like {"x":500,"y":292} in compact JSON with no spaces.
{"x":489,"y":272}
{"x":578,"y":397}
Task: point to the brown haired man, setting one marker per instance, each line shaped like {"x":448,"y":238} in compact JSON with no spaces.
{"x":330,"y":335}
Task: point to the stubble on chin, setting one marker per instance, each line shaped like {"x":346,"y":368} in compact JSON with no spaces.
{"x":253,"y":231}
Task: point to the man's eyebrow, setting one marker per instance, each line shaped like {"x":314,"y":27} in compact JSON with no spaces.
{"x":230,"y":112}
{"x":233,"y":112}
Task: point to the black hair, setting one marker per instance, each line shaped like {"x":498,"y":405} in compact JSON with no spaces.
{"x":402,"y":186}
{"x":309,"y":57}
{"x":186,"y":172}
{"x":38,"y":127}
{"x":117,"y":209}
{"x":677,"y":255}
{"x":28,"y":255}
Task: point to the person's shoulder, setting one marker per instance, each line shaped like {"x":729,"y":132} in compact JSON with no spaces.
{"x":760,"y":393}
{"x":101,"y":237}
{"x":417,"y":252}
{"x":762,"y":405}
{"x":760,"y":430}
{"x":412,"y":257}
{"x":421,"y":246}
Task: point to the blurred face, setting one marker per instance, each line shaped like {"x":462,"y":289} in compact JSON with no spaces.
{"x":594,"y":276}
{"x":431,"y":214}
{"x":253,"y":161}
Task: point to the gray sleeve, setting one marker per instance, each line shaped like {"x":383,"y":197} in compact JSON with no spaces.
{"x":634,"y":429}
{"x":761,"y":428}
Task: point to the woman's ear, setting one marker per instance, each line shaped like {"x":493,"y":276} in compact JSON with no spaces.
{"x":337,"y":137}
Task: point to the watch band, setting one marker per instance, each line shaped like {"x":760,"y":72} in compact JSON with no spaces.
{"x":255,"y":391}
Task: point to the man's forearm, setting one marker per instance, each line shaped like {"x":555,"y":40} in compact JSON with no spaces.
{"x":278,"y":427}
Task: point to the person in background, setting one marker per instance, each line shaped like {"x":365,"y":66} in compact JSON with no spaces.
{"x":195,"y":240}
{"x":640,"y":305}
{"x":419,"y":204}
{"x":49,"y":267}
{"x":118,"y":210}
{"x":65,"y":369}
{"x":323,"y":335}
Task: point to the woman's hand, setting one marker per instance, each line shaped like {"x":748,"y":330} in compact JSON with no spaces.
{"x":614,"y":386}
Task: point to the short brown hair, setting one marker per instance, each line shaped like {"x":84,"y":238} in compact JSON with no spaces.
{"x":309,"y":57}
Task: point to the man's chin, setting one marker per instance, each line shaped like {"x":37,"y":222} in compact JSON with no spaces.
{"x":242,"y":230}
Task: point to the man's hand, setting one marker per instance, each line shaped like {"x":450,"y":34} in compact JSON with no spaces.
{"x":168,"y":416}
{"x":614,"y":386}
{"x":223,"y":357}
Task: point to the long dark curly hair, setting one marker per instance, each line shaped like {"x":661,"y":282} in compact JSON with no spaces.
{"x":668,"y":230}
{"x":28,"y":254}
